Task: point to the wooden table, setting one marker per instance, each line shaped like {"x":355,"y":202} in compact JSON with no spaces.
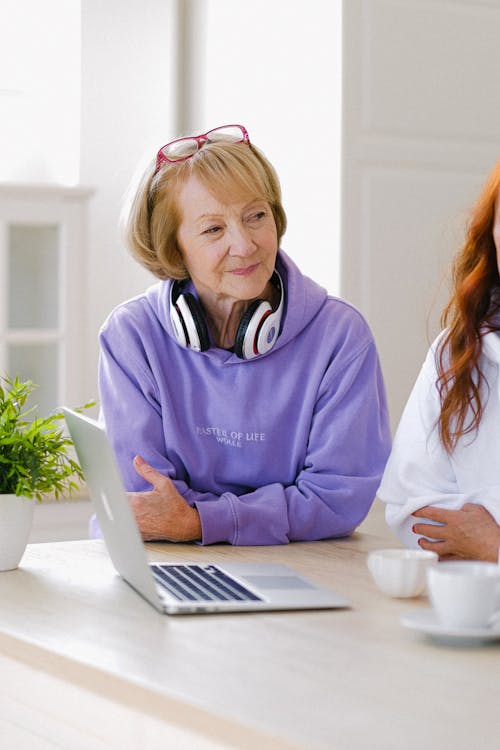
{"x":86,"y":663}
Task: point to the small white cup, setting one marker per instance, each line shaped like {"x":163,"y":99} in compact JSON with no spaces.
{"x":464,"y":593}
{"x":400,"y":572}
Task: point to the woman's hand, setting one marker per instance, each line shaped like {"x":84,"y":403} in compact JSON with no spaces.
{"x":470,"y":532}
{"x":163,"y":513}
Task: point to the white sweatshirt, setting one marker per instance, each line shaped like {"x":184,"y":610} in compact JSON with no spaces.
{"x":420,"y":472}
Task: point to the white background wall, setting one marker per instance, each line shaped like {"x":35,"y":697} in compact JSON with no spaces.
{"x":39,"y":90}
{"x":127,"y":93}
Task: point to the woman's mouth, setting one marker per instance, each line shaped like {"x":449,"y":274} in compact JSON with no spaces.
{"x":245,"y":271}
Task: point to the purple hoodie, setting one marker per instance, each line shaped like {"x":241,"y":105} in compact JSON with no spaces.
{"x":288,"y":446}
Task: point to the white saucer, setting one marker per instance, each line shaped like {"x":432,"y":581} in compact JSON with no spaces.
{"x":424,"y":620}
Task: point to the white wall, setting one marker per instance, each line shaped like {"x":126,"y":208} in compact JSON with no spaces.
{"x":39,"y":96}
{"x":127,"y":108}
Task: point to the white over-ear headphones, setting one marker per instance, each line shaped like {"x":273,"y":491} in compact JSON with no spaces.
{"x":257,"y":331}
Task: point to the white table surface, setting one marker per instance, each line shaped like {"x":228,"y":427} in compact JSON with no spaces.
{"x":329,"y":679}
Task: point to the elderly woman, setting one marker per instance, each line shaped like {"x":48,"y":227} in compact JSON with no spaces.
{"x":247,"y":398}
{"x":442,"y":482}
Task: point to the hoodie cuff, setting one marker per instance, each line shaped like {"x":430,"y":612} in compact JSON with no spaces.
{"x":218,"y":520}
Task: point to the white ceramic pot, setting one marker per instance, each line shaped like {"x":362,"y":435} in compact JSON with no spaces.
{"x":16,"y":518}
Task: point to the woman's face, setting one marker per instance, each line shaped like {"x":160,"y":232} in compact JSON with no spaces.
{"x":496,"y":229}
{"x":229,"y":247}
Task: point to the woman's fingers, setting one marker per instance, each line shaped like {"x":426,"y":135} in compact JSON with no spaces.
{"x":151,"y":475}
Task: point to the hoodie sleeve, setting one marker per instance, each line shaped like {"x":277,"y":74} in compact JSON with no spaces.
{"x":348,"y":445}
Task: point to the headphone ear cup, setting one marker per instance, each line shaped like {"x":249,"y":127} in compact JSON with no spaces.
{"x":245,"y":343}
{"x":188,"y":322}
{"x":195,"y":324}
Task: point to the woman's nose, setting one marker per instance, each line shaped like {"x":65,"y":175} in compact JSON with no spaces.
{"x":241,"y":242}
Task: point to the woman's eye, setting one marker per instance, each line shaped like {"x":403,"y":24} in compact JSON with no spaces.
{"x":212,"y":230}
{"x":257,"y":216}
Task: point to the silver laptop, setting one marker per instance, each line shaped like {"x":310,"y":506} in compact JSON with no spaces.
{"x":180,"y":588}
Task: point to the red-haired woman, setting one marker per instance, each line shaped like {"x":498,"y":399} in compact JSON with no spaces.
{"x":442,"y":481}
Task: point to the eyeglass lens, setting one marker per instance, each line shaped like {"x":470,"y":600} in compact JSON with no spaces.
{"x":181,"y":149}
{"x":230,"y":133}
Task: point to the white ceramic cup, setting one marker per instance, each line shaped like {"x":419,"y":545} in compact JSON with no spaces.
{"x":400,"y":572}
{"x":464,"y":593}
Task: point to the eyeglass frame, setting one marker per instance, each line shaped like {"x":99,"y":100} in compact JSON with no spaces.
{"x":201,"y":140}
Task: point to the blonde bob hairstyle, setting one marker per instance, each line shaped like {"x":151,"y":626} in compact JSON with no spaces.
{"x":225,"y":169}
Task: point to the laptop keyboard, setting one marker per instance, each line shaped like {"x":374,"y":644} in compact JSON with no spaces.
{"x":196,"y":583}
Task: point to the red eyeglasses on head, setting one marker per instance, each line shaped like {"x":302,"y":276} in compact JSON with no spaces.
{"x":184,"y":148}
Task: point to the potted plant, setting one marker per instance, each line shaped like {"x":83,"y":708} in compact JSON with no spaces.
{"x":35,"y":461}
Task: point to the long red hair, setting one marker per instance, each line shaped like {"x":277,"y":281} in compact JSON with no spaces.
{"x":467,"y":316}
